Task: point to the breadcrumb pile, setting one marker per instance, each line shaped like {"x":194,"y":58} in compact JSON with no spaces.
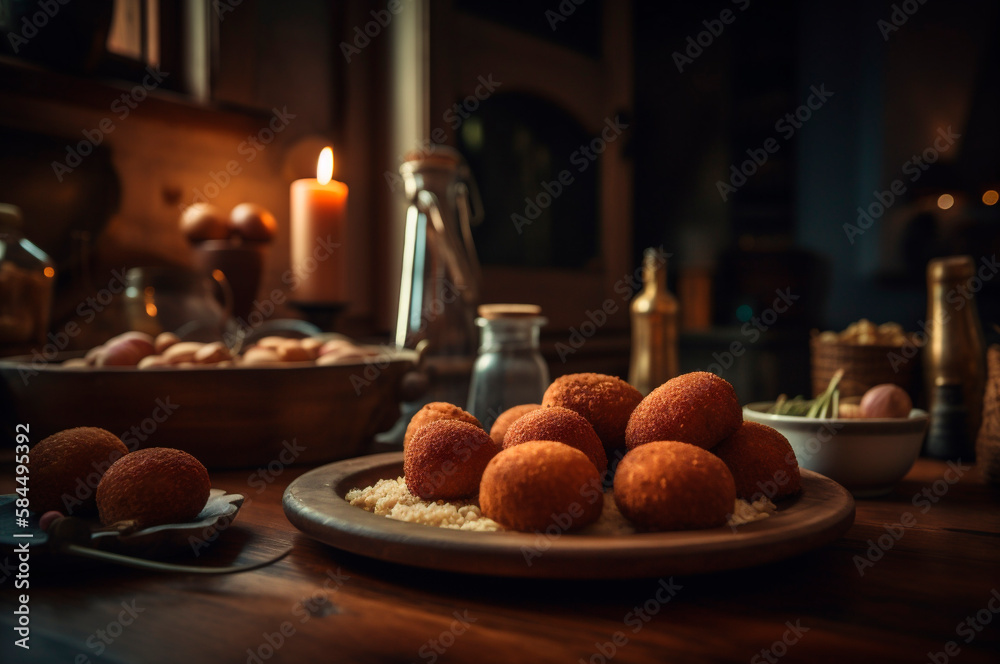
{"x":391,"y":498}
{"x":745,"y":512}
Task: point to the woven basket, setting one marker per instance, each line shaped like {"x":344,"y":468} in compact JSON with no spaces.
{"x":988,"y":441}
{"x":865,"y":366}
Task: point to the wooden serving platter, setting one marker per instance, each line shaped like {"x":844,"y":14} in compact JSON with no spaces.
{"x":314,"y":503}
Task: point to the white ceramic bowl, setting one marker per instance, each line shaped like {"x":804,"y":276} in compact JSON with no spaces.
{"x":867,"y":456}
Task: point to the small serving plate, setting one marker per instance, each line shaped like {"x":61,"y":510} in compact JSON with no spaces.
{"x":217,"y":515}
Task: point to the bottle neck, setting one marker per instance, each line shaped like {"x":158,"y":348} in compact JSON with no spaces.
{"x":509,"y":333}
{"x":654,"y":273}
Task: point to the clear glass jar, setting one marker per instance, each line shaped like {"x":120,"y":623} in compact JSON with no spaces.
{"x":27,"y":276}
{"x":509,"y":368}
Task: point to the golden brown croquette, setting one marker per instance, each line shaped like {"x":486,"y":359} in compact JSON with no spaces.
{"x":669,"y":485}
{"x":66,"y":468}
{"x":437,"y":410}
{"x":563,"y":426}
{"x":153,"y":487}
{"x":508,"y":417}
{"x":697,"y":408}
{"x":762,"y":462}
{"x":540,"y":486}
{"x":606,"y":401}
{"x":445,"y":459}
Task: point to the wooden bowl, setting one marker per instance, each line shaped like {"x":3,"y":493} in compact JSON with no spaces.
{"x":227,"y":417}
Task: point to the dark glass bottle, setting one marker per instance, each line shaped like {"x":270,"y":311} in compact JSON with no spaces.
{"x":954,"y":362}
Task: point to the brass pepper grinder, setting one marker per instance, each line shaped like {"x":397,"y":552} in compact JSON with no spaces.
{"x":654,"y":327}
{"x":954,"y":366}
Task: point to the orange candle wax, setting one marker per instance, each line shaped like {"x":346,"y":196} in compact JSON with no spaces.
{"x":318,"y":234}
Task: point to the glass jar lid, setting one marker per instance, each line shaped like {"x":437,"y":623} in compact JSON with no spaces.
{"x":496,"y":311}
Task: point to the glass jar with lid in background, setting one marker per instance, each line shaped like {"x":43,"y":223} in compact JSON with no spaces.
{"x":509,"y":368}
{"x":27,"y":276}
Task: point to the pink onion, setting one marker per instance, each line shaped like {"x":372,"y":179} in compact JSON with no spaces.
{"x":886,"y":400}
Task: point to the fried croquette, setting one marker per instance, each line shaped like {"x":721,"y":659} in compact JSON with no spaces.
{"x":434,"y":411}
{"x":66,"y":468}
{"x":606,"y":401}
{"x":508,"y":417}
{"x":563,"y":426}
{"x":153,"y":487}
{"x":670,"y":485}
{"x":762,"y":462}
{"x":540,"y":485}
{"x":697,"y":408}
{"x":445,"y":459}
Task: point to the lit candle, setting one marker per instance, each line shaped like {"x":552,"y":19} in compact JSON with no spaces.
{"x":318,"y":230}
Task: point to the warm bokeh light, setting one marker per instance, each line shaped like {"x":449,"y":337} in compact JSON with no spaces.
{"x":151,"y":309}
{"x":945,"y":201}
{"x":218,"y":275}
{"x":49,"y":272}
{"x":990,"y":197}
{"x":324,"y":167}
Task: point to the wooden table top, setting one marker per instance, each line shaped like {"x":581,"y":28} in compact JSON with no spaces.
{"x":931,"y":593}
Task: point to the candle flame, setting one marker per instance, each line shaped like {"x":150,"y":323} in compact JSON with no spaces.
{"x":324,"y":167}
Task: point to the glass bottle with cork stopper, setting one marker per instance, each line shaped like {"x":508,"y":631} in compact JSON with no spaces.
{"x":509,"y":368}
{"x":654,"y":327}
{"x":954,"y":361}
